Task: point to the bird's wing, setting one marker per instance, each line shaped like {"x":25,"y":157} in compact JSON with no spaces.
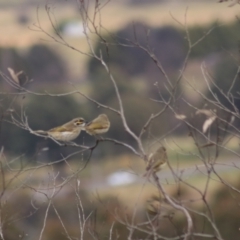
{"x":60,"y":129}
{"x":95,"y":125}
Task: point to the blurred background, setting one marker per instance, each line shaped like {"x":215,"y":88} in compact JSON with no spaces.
{"x":58,"y":69}
{"x":52,"y":67}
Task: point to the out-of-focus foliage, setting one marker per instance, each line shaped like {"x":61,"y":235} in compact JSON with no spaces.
{"x":227,"y":81}
{"x":39,"y":62}
{"x":220,"y":52}
{"x":135,"y":74}
{"x":44,"y":65}
{"x":132,"y":62}
{"x":46,"y":71}
{"x":101,"y":212}
{"x":131,"y":67}
{"x":224,"y":205}
{"x":43,"y":113}
{"x":9,"y":57}
{"x":222,"y":37}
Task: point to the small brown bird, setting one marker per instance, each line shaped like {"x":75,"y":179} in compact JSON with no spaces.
{"x":67,"y":132}
{"x":156,"y":161}
{"x":99,"y":125}
{"x":153,"y":205}
{"x":156,"y":206}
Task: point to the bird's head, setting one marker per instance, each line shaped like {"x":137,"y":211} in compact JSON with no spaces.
{"x":80,"y":122}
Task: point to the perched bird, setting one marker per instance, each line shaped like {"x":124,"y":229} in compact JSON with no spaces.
{"x":98,"y":125}
{"x":67,"y":132}
{"x":156,"y":161}
{"x":156,"y":206}
{"x":153,"y":205}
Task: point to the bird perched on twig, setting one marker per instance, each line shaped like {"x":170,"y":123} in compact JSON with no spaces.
{"x":156,"y":161}
{"x":156,"y":206}
{"x":97,"y":126}
{"x":67,"y":132}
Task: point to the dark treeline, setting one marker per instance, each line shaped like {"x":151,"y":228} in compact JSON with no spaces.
{"x":134,"y":71}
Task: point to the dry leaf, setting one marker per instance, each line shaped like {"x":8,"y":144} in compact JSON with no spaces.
{"x":208,"y":123}
{"x":211,"y":118}
{"x":180,"y":116}
{"x":208,"y":145}
{"x":15,"y":75}
{"x":45,"y":149}
{"x":232,"y":120}
{"x":206,"y":112}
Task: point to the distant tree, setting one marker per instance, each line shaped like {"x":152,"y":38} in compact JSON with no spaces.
{"x":166,"y":43}
{"x":222,"y":37}
{"x":45,"y":66}
{"x":10,"y":57}
{"x":226,"y":76}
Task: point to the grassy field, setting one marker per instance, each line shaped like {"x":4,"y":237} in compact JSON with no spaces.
{"x":113,"y":17}
{"x":95,"y":178}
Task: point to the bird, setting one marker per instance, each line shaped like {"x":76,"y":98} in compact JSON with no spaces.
{"x":153,"y":205}
{"x":158,"y":206}
{"x":67,"y":132}
{"x":156,"y":161}
{"x":99,"y":125}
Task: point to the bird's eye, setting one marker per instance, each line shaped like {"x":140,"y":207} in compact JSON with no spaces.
{"x":79,"y":122}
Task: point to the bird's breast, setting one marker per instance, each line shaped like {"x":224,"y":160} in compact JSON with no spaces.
{"x":65,"y":136}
